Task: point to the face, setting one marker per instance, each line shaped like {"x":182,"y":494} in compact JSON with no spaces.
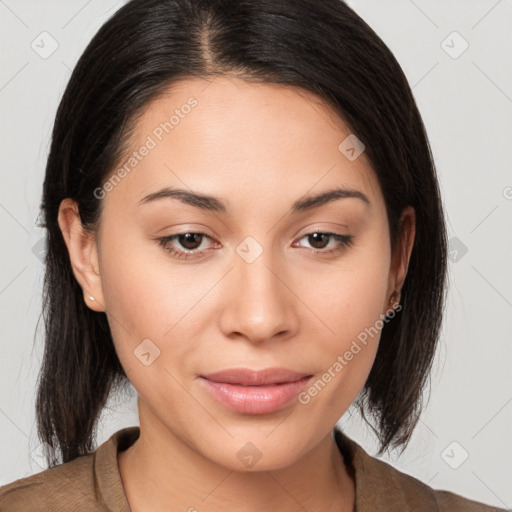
{"x":249,"y":279}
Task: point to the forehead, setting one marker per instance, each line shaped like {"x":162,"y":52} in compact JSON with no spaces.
{"x":228,"y":138}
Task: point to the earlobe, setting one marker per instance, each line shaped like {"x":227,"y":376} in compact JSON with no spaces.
{"x":83,"y":254}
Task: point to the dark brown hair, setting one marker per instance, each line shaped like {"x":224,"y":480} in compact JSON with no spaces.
{"x":321,"y":46}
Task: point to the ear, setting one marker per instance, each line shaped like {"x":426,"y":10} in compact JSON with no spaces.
{"x":401,"y":253}
{"x":83,"y":254}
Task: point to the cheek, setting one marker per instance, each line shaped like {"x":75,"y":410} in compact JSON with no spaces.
{"x":350,"y":294}
{"x":144,"y":290}
{"x":349,"y":298}
{"x":142,"y":301}
{"x":154,"y":307}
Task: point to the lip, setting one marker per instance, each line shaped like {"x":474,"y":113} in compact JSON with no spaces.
{"x":255,"y":391}
{"x":248,"y":377}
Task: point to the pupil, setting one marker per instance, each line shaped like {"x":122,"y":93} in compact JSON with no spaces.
{"x":316,"y":237}
{"x":190,"y":238}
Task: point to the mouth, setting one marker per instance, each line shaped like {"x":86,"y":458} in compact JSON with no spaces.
{"x":255,"y":392}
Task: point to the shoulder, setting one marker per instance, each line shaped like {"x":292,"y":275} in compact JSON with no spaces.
{"x":449,"y":501}
{"x":417,"y":495}
{"x":380,"y":484}
{"x":66,"y":485}
{"x":90,"y":482}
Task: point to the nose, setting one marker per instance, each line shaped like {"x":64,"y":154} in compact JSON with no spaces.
{"x":259,"y":305}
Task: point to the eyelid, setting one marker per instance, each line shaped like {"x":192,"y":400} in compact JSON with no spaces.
{"x":320,"y":228}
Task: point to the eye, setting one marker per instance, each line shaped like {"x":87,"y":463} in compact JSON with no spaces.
{"x":191,"y":243}
{"x":320,"y":240}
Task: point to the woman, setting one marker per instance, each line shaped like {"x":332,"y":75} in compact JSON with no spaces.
{"x":244,"y":221}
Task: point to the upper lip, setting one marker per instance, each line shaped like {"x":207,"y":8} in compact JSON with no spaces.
{"x":248,"y":377}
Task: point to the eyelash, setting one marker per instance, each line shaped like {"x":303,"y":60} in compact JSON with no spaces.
{"x":342,"y":241}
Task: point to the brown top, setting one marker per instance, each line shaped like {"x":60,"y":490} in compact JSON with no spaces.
{"x":92,"y":483}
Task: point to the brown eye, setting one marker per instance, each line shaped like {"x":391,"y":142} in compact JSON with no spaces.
{"x":184,"y":245}
{"x":190,"y":241}
{"x":319,"y":240}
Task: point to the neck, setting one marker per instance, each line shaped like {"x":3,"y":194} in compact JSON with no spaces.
{"x":161,"y":472}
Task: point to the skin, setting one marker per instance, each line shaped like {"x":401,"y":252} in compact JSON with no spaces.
{"x":259,"y":148}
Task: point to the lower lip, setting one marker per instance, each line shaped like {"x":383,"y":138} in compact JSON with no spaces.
{"x":255,"y":399}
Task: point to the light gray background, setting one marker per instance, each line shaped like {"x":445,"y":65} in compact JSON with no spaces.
{"x":466,"y":104}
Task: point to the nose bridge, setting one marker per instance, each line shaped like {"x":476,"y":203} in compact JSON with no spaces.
{"x":260,"y":305}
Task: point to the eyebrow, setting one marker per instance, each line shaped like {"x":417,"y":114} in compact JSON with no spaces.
{"x":214,"y":204}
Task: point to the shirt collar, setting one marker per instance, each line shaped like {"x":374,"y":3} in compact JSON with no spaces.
{"x":376,"y":482}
